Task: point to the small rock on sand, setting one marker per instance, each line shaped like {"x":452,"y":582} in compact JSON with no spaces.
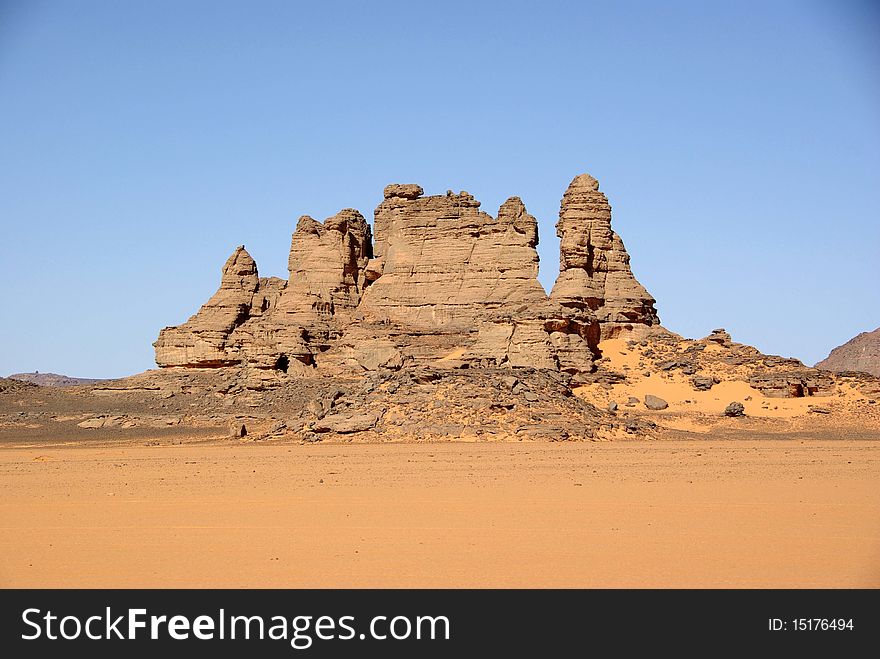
{"x":655,"y":402}
{"x":735,"y":409}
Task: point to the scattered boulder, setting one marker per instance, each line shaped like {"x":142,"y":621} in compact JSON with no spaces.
{"x":735,"y":409}
{"x":94,"y":422}
{"x":703,"y":383}
{"x":108,"y":421}
{"x":549,"y":434}
{"x":655,"y":402}
{"x":316,"y":407}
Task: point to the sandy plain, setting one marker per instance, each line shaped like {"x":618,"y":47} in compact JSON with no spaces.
{"x":729,"y":511}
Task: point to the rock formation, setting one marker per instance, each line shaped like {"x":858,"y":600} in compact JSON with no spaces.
{"x":594,"y":271}
{"x":443,"y":284}
{"x":326,"y":265}
{"x":204,"y":340}
{"x":859,"y":354}
{"x":270,"y":323}
{"x":437,"y":329}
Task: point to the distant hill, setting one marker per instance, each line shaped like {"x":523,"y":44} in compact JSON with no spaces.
{"x":14,"y":385}
{"x":859,"y":354}
{"x":51,"y":379}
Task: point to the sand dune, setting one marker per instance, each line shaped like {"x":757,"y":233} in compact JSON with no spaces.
{"x":687,"y":405}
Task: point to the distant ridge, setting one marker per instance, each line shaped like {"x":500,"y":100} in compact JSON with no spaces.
{"x":861,"y":353}
{"x":52,"y":379}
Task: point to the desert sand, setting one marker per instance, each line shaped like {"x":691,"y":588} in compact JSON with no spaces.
{"x":699,"y":411}
{"x":671,"y":513}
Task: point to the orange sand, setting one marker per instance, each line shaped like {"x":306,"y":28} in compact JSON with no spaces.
{"x":663,"y":514}
{"x":675,"y":388}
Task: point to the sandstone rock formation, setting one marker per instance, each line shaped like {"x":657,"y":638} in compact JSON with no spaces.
{"x":544,"y":335}
{"x":437,"y":330}
{"x":859,"y":354}
{"x":594,"y":271}
{"x":270,"y":323}
{"x":326,"y":265}
{"x":441,"y":263}
{"x":443,"y":284}
{"x":204,"y":340}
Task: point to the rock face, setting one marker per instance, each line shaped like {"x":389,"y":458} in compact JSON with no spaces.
{"x":204,"y":340}
{"x":594,"y":271}
{"x":860,"y":354}
{"x":270,"y":323}
{"x":443,"y":284}
{"x":440,"y":262}
{"x":326,"y":265}
{"x":544,"y":335}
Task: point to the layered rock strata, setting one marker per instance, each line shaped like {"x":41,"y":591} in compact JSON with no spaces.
{"x":272,"y":323}
{"x":205,"y":339}
{"x":594,"y":270}
{"x":442,"y":263}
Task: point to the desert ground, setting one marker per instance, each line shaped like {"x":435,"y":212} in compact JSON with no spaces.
{"x":730,"y":510}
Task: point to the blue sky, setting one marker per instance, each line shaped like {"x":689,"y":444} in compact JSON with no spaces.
{"x":140,"y":142}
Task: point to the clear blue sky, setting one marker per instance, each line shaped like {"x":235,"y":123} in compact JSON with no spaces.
{"x":140,"y":142}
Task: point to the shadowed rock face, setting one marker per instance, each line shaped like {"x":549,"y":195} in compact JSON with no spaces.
{"x":594,"y":271}
{"x":443,"y":284}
